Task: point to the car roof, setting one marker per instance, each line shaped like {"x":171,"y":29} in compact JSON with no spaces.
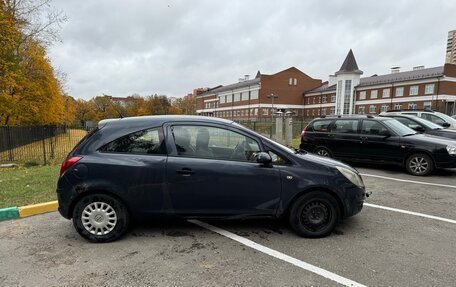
{"x":158,"y":120}
{"x":352,"y":117}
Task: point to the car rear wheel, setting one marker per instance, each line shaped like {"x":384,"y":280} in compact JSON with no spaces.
{"x":100,"y":218}
{"x":321,"y":151}
{"x":419,"y":164}
{"x":315,"y":214}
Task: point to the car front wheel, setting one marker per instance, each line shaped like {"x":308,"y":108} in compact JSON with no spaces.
{"x":100,"y":218}
{"x":315,"y":214}
{"x":419,"y":164}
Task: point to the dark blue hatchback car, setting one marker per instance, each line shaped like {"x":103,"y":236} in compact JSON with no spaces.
{"x":199,"y":167}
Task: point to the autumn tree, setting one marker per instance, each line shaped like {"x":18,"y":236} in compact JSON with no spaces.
{"x":29,"y":90}
{"x":187,"y":105}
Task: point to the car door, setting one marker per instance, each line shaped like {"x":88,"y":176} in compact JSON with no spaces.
{"x":135,"y":165}
{"x":377,"y":142}
{"x":343,"y":139}
{"x":219,"y":176}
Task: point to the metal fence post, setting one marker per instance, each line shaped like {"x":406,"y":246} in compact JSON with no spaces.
{"x":9,"y":144}
{"x":44,"y":144}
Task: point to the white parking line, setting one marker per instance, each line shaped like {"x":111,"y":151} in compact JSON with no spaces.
{"x":279,"y":255}
{"x":411,"y":213}
{"x":411,"y":181}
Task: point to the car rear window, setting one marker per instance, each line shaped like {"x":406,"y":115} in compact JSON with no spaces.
{"x":148,"y":141}
{"x":321,"y":126}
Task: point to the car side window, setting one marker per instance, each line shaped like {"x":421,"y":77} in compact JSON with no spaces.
{"x":433,"y":118}
{"x":321,"y":126}
{"x":345,"y":126}
{"x":214,"y":143}
{"x":369,"y":127}
{"x":148,"y":141}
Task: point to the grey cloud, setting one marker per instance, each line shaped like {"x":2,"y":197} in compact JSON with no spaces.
{"x":171,"y":47}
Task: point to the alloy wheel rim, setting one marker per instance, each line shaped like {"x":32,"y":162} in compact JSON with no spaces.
{"x":322,"y":152}
{"x":99,"y":218}
{"x":419,"y":165}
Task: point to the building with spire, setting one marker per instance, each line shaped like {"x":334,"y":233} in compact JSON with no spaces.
{"x":346,"y":93}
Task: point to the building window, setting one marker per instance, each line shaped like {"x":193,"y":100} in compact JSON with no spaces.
{"x":295,"y":81}
{"x":323,"y":111}
{"x":429,"y":89}
{"x":254,"y":95}
{"x":347,"y":93}
{"x":237,"y":97}
{"x":361,"y":110}
{"x":222,"y":99}
{"x":323,"y":99}
{"x":307,"y":112}
{"x":290,"y":81}
{"x":399,"y":92}
{"x":412,"y":106}
{"x":427,"y":105}
{"x":384,"y":108}
{"x":244,"y":96}
{"x":373,"y":94}
{"x":372,"y":109}
{"x":313,"y":112}
{"x":413,"y":91}
{"x":308,"y":101}
{"x":362,"y":95}
{"x":386,"y":93}
{"x":265,"y":111}
{"x":397,"y":106}
{"x":313,"y":100}
{"x":229,"y":98}
{"x":332,"y":110}
{"x":333,"y":98}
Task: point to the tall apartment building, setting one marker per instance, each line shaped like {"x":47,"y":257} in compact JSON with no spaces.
{"x":346,"y":93}
{"x":250,"y":99}
{"x":451,"y":48}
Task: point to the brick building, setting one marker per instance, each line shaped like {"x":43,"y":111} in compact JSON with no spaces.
{"x":347,"y":93}
{"x":250,"y":99}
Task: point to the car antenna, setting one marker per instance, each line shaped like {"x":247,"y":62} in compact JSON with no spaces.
{"x":115,"y":108}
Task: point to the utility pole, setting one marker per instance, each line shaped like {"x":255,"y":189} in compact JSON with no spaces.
{"x":272,"y":97}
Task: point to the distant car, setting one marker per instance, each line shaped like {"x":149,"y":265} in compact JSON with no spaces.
{"x":422,"y":126}
{"x":199,"y":167}
{"x":378,"y":140}
{"x":436,"y":117}
{"x":453,"y":116}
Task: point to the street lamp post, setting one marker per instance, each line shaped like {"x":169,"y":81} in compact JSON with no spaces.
{"x":272,"y":97}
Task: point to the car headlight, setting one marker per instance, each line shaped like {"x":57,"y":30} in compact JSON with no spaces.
{"x":351,"y":176}
{"x":451,"y":149}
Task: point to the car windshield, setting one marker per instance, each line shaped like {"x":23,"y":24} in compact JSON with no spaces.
{"x":427,"y":123}
{"x":447,"y":119}
{"x":399,"y":128}
{"x":271,"y":142}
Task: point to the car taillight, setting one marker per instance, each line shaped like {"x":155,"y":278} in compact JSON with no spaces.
{"x":68,"y":163}
{"x":303,"y":133}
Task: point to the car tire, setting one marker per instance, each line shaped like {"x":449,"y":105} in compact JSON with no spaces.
{"x":314,"y":214}
{"x":322,"y":151}
{"x":100,"y":218}
{"x":419,"y":164}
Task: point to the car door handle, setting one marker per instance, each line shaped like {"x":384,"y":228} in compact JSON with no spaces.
{"x":185,"y":171}
{"x":331,"y":135}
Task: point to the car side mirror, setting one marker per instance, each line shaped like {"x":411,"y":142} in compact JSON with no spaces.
{"x":419,"y":129}
{"x":263,"y":158}
{"x":445,"y":125}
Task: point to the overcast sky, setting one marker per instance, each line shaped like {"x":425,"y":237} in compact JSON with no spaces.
{"x":171,"y":47}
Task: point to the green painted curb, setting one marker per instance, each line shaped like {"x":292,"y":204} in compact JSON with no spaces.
{"x":9,"y":213}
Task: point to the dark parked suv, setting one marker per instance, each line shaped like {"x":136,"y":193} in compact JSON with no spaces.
{"x":193,"y":167}
{"x":378,"y":140}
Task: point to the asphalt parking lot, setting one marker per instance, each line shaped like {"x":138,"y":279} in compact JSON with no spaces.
{"x":378,"y":247}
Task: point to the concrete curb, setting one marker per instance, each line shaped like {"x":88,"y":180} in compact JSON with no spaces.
{"x":28,"y":210}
